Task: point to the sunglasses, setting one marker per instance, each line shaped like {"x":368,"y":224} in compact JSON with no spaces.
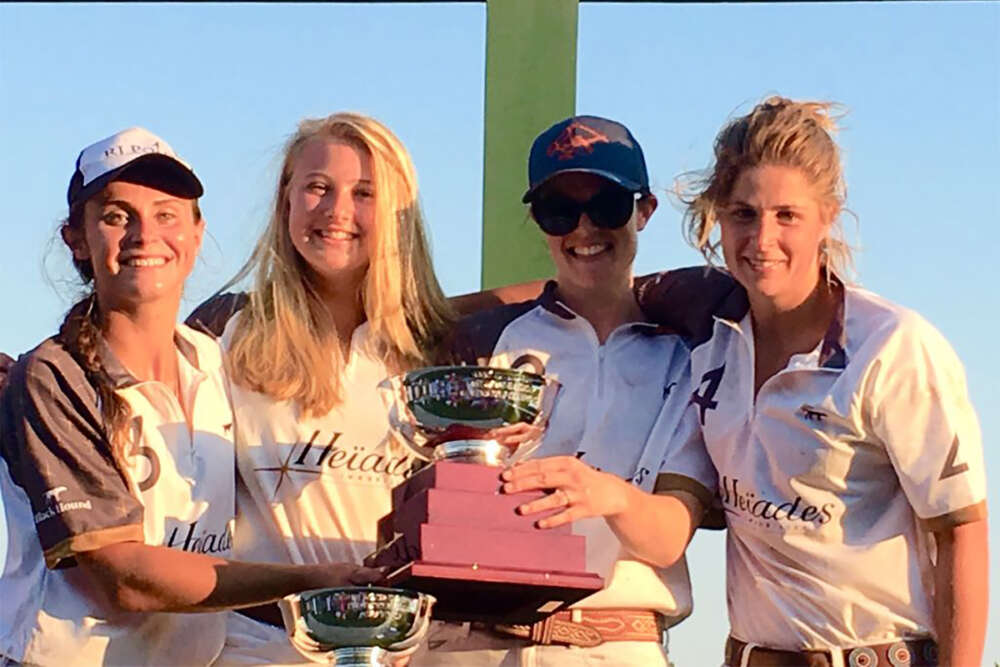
{"x":608,"y":209}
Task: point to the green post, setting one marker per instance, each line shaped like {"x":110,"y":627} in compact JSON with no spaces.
{"x":530,"y":84}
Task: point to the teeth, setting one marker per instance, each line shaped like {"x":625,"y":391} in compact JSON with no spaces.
{"x":589,"y":250}
{"x":764,"y":263}
{"x":336,"y":234}
{"x":145,"y":261}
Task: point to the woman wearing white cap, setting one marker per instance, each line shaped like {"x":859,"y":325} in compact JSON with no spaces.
{"x":116,"y":445}
{"x":839,"y":436}
{"x":619,"y":373}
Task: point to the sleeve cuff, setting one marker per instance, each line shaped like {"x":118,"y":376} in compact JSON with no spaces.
{"x":957,"y":517}
{"x":92,"y":541}
{"x":666,"y":482}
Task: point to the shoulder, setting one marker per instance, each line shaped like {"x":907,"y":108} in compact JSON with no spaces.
{"x":207,"y":353}
{"x":685,"y":300}
{"x":212,"y":315}
{"x":49,"y":368}
{"x":475,"y":336}
{"x":874,"y":322}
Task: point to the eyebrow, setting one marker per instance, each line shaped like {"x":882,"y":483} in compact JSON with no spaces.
{"x":740,"y":202}
{"x":327,"y":177}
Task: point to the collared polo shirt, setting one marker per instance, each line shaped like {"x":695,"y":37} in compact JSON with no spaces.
{"x":611,"y":396}
{"x":832,"y":476}
{"x":64,"y":495}
{"x":312,"y":489}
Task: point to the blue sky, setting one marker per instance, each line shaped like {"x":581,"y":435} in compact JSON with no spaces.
{"x":225,"y":85}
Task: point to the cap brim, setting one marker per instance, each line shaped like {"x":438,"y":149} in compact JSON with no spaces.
{"x":154,"y":170}
{"x":629,"y":185}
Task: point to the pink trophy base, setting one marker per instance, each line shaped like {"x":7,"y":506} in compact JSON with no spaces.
{"x":452,"y":534}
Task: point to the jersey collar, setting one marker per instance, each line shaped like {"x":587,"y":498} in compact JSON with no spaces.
{"x":121,"y":377}
{"x":549,"y":301}
{"x":833,"y":349}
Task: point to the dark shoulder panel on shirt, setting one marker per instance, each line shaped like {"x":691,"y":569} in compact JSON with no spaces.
{"x":685,"y":300}
{"x":54,"y":442}
{"x":211,"y":316}
{"x":474,"y":337}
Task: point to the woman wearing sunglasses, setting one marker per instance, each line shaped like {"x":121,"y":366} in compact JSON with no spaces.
{"x":590,"y":196}
{"x":839,"y":436}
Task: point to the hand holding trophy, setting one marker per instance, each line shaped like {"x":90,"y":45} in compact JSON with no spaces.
{"x":451,"y":532}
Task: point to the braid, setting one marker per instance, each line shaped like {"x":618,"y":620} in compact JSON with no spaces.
{"x":80,"y":335}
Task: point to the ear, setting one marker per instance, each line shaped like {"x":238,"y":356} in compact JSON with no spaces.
{"x":76,"y":242}
{"x":645,"y":208}
{"x":199,"y":230}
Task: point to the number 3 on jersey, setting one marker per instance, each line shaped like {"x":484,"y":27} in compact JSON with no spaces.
{"x":709,"y":384}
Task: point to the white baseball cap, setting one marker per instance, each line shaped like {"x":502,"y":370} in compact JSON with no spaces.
{"x":135,"y":155}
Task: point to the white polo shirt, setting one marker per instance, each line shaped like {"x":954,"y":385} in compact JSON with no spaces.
{"x":611,"y":395}
{"x":313,"y":489}
{"x":58,"y":482}
{"x":833,"y":475}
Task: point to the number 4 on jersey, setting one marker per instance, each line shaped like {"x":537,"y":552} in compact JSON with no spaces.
{"x":710,"y":381}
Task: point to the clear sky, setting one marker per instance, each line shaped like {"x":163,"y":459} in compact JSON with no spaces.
{"x":225,"y":85}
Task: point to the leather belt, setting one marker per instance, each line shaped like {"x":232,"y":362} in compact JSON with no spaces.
{"x":911,"y":653}
{"x":590,"y":627}
{"x":265,"y":613}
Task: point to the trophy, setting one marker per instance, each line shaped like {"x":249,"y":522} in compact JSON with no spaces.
{"x":356,"y":626}
{"x":451,"y":532}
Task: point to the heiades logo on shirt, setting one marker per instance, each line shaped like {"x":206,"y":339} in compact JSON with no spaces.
{"x":202,"y":541}
{"x":762,"y":510}
{"x":56,"y":507}
{"x":312,"y":457}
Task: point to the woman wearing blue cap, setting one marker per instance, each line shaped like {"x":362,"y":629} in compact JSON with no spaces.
{"x":590,"y":197}
{"x":116,"y":443}
{"x":839,"y":437}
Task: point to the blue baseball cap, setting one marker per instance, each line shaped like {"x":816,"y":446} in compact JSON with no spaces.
{"x":589,"y":144}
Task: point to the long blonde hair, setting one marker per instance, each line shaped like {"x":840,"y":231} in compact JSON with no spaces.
{"x":285,"y":343}
{"x":778,"y":131}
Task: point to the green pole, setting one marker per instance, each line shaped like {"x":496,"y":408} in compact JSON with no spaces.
{"x":530,"y":84}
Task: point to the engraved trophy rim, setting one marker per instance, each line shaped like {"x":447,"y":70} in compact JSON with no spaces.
{"x":437,"y":414}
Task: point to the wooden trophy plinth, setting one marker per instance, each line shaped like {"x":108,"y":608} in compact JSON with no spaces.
{"x":451,"y":533}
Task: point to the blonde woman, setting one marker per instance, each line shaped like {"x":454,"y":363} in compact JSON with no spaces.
{"x":115,"y":443}
{"x":344,"y":295}
{"x":839,"y":435}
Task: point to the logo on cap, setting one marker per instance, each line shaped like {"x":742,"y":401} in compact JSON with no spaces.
{"x":575,"y":138}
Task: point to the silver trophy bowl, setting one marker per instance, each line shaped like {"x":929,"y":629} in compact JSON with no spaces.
{"x":454,"y":413}
{"x":356,"y":626}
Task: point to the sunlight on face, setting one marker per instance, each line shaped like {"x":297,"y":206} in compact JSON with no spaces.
{"x":331,"y":210}
{"x":141,"y":242}
{"x":772,"y":228}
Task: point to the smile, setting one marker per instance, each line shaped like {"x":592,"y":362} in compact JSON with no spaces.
{"x":589,"y":250}
{"x":144,"y":261}
{"x":335,"y":235}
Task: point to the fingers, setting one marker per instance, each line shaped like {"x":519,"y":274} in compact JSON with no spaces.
{"x":367,"y":575}
{"x":569,"y":515}
{"x":555,"y":500}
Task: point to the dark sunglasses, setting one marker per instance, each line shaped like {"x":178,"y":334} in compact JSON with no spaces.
{"x":609,"y":209}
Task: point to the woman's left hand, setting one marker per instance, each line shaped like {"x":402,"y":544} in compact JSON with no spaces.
{"x":574,"y":487}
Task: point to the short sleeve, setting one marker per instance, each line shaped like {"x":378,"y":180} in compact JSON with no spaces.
{"x":686,"y":465}
{"x":53,"y":441}
{"x":920,"y":410}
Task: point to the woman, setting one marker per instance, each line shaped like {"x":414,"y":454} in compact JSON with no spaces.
{"x":838,"y":430}
{"x":619,"y":373}
{"x":116,"y":446}
{"x":344,"y":295}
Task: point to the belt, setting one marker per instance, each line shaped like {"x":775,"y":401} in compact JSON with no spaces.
{"x":911,"y":653}
{"x":590,"y":627}
{"x":265,"y":613}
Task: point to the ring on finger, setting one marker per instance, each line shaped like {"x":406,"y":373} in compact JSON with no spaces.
{"x":563,"y":497}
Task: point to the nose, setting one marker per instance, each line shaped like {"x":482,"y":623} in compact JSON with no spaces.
{"x":141,"y":229}
{"x":765,"y":232}
{"x":340,"y":205}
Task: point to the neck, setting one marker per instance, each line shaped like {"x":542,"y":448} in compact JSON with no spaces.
{"x":606,"y":307}
{"x":143,"y":340}
{"x":346,"y":310}
{"x":800,"y":324}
